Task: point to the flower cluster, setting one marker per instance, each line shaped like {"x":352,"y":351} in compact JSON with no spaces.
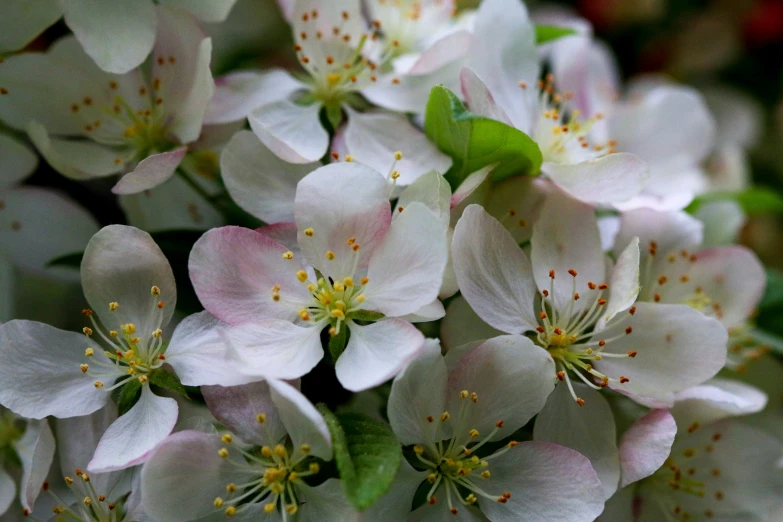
{"x":438,"y":264}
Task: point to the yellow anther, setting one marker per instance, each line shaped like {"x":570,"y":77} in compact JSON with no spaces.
{"x":432,"y":477}
{"x":333,"y":79}
{"x":474,"y":397}
{"x":280,"y":451}
{"x":113,"y":333}
{"x":332,"y":331}
{"x":348,"y":282}
{"x":395,"y":174}
{"x":98,"y":385}
{"x":143,"y":379}
{"x":157,"y":333}
{"x":87,"y":501}
{"x":360,"y":298}
{"x":464,"y":394}
{"x":223,"y":453}
{"x":301,"y":275}
{"x":445,"y":416}
{"x":293,"y":476}
{"x":266,"y":451}
{"x":305,"y":448}
{"x":473,"y":433}
{"x":288,"y":255}
{"x":231,"y":488}
{"x":85,"y":367}
{"x":485,"y":473}
{"x":218,"y":502}
{"x":131,"y":131}
{"x":231,"y":511}
{"x":89,"y":352}
{"x":338,"y":286}
{"x":398,"y":155}
{"x":329,"y":255}
{"x":304,"y":314}
{"x":269,"y":507}
{"x":133,"y":340}
{"x":155,"y":290}
{"x":128,"y":329}
{"x":113,"y":306}
{"x":348,"y":158}
{"x":291,"y":508}
{"x":314,"y":468}
{"x":68,"y":481}
{"x":471,"y":499}
{"x":128,"y":354}
{"x":227,"y":438}
{"x":418,"y":449}
{"x":87,"y":331}
{"x":339,"y":314}
{"x":309,"y":232}
{"x":364,"y":280}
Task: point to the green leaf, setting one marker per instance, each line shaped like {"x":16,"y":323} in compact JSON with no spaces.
{"x":69,"y":260}
{"x":168,"y":381}
{"x":773,"y":293}
{"x":334,"y":113}
{"x":754,"y":201}
{"x":337,"y":342}
{"x":474,"y":142}
{"x":547,"y":33}
{"x":367,"y":454}
{"x":367,"y":315}
{"x":129,"y":396}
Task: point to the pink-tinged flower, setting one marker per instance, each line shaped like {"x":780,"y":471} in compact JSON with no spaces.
{"x":342,"y":56}
{"x":117,"y":36}
{"x":365,"y":261}
{"x":453,"y":410}
{"x":100,"y":123}
{"x":718,"y":468}
{"x":129,"y":283}
{"x":502,"y":82}
{"x":596,"y":332}
{"x":253,"y":472}
{"x":725,"y":282}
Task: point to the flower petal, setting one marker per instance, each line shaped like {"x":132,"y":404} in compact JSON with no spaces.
{"x":503,"y":367}
{"x":131,"y":438}
{"x":373,"y":138}
{"x":516,"y":203}
{"x":611,"y":179}
{"x":118,"y":36}
{"x":624,"y":283}
{"x":238,"y":94}
{"x":238,"y":407}
{"x":36,"y":451}
{"x":121,"y":264}
{"x":406,"y":270}
{"x":291,"y":131}
{"x":326,"y":503}
{"x":677,"y":347}
{"x":493,"y":273}
{"x":205,"y":10}
{"x":395,"y":505}
{"x":259,"y":181}
{"x":418,"y":393}
{"x":589,"y":429}
{"x":274,"y":348}
{"x":18,"y":161}
{"x":197,"y":352}
{"x":646,"y":445}
{"x":40,"y":372}
{"x":716,"y":399}
{"x":7,"y":491}
{"x":547,"y":482}
{"x":233,"y":271}
{"x":671,"y":231}
{"x":478,"y":98}
{"x":23,"y":21}
{"x":461,"y":325}
{"x":723,"y":221}
{"x":432,"y":190}
{"x":300,"y":418}
{"x":152,"y":171}
{"x":340,"y":202}
{"x":377,"y":352}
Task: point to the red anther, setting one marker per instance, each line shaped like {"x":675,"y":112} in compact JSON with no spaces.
{"x":601,"y":343}
{"x":432,"y":500}
{"x":540,"y":329}
{"x":603,"y":286}
{"x":580,"y":401}
{"x":628,"y":330}
{"x":632,"y":353}
{"x":624,"y":379}
{"x":662,"y":280}
{"x":576,"y":296}
{"x":86,"y":312}
{"x":552,"y":274}
{"x":162,"y":357}
{"x":632,"y":310}
{"x":558,"y":331}
{"x":335,"y":155}
{"x":499,"y":424}
{"x":542,"y":315}
{"x":657,"y":297}
{"x":545,"y":292}
{"x":507,"y":494}
{"x":560,"y":376}
{"x":591,"y":285}
{"x":602,"y":302}
{"x":430,"y":418}
{"x":572,"y":272}
{"x":454,"y":511}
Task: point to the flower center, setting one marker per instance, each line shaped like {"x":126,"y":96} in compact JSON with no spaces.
{"x":131,"y":354}
{"x":453,"y":464}
{"x":568,"y":336}
{"x":90,"y":507}
{"x":274,"y":473}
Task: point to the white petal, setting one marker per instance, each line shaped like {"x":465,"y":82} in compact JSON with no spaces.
{"x":76,"y":159}
{"x":723,"y":222}
{"x":18,"y":161}
{"x":238,"y":407}
{"x":377,"y":352}
{"x":433,"y":191}
{"x":152,"y":171}
{"x":671,"y":231}
{"x":197,"y":352}
{"x":516,"y":203}
{"x":302,"y":421}
{"x":23,"y":21}
{"x":339,"y":202}
{"x":40,"y":372}
{"x":677,"y":347}
{"x":620,"y":507}
{"x":131,"y":438}
{"x":566,"y":237}
{"x":118,"y":36}
{"x":283,"y":233}
{"x":121,"y":264}
{"x":406,"y":270}
{"x":373,"y":138}
{"x":259,"y":181}
{"x":478,"y":98}
{"x":238,"y":94}
{"x":186,"y":84}
{"x":493,"y":273}
{"x":36,"y":451}
{"x":395,"y":505}
{"x":418,"y":393}
{"x":39,"y":237}
{"x":646,"y":445}
{"x":461,"y":325}
{"x":503,"y":53}
{"x":624,"y":283}
{"x":274,"y":348}
{"x":503,"y":367}
{"x":7,"y":491}
{"x":547,"y":482}
{"x":611,"y":179}
{"x":205,"y":10}
{"x":429,"y":312}
{"x":291,"y":131}
{"x":716,"y":399}
{"x":589,"y":429}
{"x":326,"y":503}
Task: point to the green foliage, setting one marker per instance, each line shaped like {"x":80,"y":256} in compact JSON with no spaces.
{"x":337,"y":343}
{"x":367,"y":315}
{"x":367,"y":454}
{"x":475,"y":141}
{"x":547,"y":33}
{"x":129,"y":396}
{"x":68,"y":260}
{"x":754,"y":200}
{"x":168,"y":381}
